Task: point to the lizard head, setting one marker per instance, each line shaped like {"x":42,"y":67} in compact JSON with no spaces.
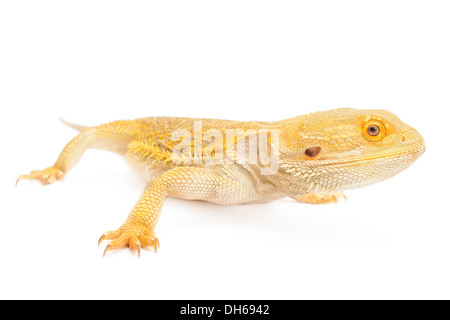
{"x":349,"y":148}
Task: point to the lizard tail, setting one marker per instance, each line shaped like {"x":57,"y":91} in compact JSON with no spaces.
{"x":72,"y":125}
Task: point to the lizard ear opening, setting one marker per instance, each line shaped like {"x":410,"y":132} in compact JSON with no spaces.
{"x":313,"y":151}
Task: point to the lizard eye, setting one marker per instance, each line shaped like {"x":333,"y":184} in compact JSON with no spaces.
{"x":373,"y":130}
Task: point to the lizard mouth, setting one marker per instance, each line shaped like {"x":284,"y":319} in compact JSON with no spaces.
{"x":411,"y":154}
{"x":358,"y":171}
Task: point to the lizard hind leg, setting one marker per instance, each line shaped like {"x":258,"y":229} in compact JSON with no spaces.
{"x":320,"y":198}
{"x":113,"y":137}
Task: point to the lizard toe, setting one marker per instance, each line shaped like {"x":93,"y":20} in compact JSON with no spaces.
{"x":46,"y":176}
{"x":131,"y":237}
{"x":325,"y":198}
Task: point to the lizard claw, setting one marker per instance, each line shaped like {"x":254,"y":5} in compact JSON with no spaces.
{"x":155,"y":246}
{"x":131,"y":238}
{"x":101,"y":240}
{"x":106,"y":250}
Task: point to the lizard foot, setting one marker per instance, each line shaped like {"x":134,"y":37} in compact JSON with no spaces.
{"x":318,"y":198}
{"x":135,"y":237}
{"x":46,"y":176}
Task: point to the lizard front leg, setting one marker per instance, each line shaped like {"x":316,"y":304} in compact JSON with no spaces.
{"x":137,"y":231}
{"x":320,"y":198}
{"x":219,"y":185}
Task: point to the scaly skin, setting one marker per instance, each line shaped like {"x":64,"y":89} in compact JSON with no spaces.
{"x":317,"y":156}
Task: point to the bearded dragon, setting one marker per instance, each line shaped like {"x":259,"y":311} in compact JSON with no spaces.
{"x":310,"y":158}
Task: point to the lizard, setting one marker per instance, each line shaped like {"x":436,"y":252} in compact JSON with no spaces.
{"x":313,"y":159}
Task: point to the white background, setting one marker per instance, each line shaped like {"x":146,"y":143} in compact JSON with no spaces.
{"x":91,"y":62}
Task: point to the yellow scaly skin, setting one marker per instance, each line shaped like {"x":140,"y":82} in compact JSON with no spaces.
{"x":320,"y":155}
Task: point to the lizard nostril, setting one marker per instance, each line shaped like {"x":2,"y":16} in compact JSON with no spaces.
{"x":403,"y":138}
